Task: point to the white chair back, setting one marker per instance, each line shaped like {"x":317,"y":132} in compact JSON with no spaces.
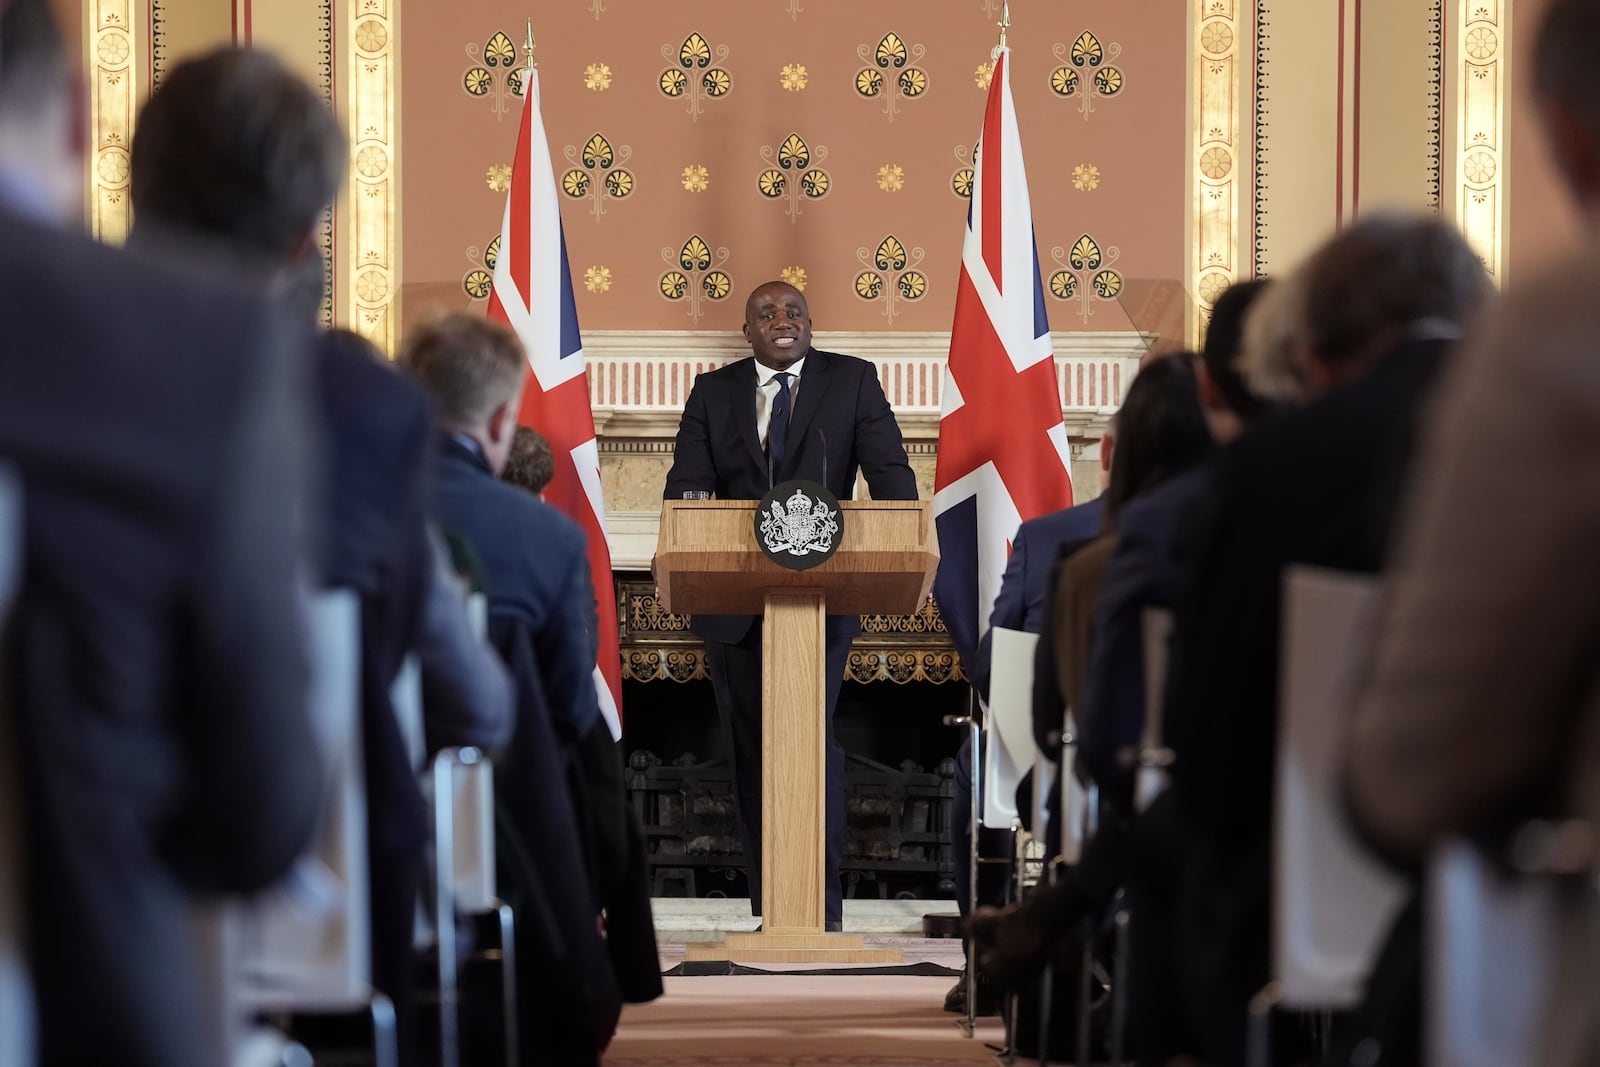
{"x":309,"y":940}
{"x":17,"y":1017}
{"x":1332,"y":903}
{"x":474,"y":834}
{"x":405,"y":696}
{"x":1152,"y":777}
{"x":1009,"y":749}
{"x":1491,"y":949}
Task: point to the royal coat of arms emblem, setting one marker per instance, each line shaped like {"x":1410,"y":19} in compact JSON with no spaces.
{"x":799,"y":525}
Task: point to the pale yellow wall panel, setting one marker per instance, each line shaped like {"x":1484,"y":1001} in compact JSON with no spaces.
{"x":188,"y":28}
{"x":1301,"y":107}
{"x":294,"y":30}
{"x":1397,"y":106}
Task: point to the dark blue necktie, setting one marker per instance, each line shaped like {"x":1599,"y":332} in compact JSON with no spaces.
{"x":778,"y":423}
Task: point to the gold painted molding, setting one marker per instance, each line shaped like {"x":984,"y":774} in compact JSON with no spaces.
{"x":115,"y":48}
{"x":1480,"y":79}
{"x":1219,"y":154}
{"x":370,"y":240}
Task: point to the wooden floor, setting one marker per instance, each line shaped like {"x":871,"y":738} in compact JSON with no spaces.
{"x":799,"y":1021}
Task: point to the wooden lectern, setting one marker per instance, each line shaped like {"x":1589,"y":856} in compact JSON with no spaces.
{"x":708,"y":562}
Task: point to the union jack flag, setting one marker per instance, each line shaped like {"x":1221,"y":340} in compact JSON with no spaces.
{"x":533,"y":295}
{"x":1003,"y":453}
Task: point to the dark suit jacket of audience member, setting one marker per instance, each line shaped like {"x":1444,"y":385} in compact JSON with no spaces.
{"x":1316,"y":486}
{"x":718,"y":449}
{"x":377,"y":431}
{"x":157,"y":665}
{"x":1024,"y":597}
{"x":542,"y":620}
{"x":1142,"y":573}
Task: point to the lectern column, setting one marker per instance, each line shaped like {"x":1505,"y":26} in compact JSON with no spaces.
{"x":794,"y":763}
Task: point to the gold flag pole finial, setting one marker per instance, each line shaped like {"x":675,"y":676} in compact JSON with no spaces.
{"x":532,"y":62}
{"x":1005,"y":20}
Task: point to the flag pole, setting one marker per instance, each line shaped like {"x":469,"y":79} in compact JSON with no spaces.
{"x":533,"y":64}
{"x":1005,"y":20}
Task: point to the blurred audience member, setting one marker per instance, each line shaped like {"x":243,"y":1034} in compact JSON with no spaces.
{"x":235,"y":157}
{"x":1381,"y":304}
{"x":1483,"y":709}
{"x":562,"y":776}
{"x":156,"y":667}
{"x":1143,"y":572}
{"x":530,"y":464}
{"x":1162,"y":434}
{"x":466,"y":693}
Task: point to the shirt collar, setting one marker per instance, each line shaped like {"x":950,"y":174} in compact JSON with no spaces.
{"x":765,"y":374}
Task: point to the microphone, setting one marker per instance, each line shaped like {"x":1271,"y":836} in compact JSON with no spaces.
{"x":822,"y":435}
{"x":770,"y":469}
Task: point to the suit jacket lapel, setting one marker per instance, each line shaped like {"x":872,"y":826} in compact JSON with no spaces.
{"x":813,"y":383}
{"x":744,"y":411}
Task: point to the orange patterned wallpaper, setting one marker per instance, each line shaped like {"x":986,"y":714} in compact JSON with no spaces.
{"x":819,"y":140}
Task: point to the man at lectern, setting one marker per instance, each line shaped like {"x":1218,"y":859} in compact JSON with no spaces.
{"x":790,"y":411}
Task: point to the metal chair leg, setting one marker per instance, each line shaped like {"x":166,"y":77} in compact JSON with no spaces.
{"x":1085,"y":996}
{"x":508,"y":983}
{"x":444,"y":910}
{"x":1119,"y":983}
{"x":385,"y":1032}
{"x":1258,"y":1032}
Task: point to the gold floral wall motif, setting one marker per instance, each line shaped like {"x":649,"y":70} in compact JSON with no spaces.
{"x":961,"y":180}
{"x":1084,"y":275}
{"x":596,"y":173}
{"x":793,"y":174}
{"x":1087,"y":72}
{"x":692,"y":77}
{"x":495,"y":74}
{"x":891,"y":73}
{"x":892,"y":275}
{"x":695,"y":275}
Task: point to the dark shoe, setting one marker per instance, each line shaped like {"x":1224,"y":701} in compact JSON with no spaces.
{"x":988,"y":1000}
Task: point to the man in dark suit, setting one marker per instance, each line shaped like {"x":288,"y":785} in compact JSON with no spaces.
{"x":156,"y":669}
{"x":1376,"y":312}
{"x":236,"y":158}
{"x":789,"y":411}
{"x":561,"y":781}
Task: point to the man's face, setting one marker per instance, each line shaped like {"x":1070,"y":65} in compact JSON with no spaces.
{"x":777,"y":324}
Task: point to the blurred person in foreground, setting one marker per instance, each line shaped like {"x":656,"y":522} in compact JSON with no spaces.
{"x":156,"y":669}
{"x":234,"y":160}
{"x":578,"y":847}
{"x":1379,"y":308}
{"x":1483,"y":707}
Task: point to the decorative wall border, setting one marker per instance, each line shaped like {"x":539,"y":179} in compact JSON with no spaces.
{"x":1217,"y":157}
{"x":1436,"y":104}
{"x":372,"y":275}
{"x":114,"y":54}
{"x":657,"y":645}
{"x":1261,"y":148}
{"x":1481,"y":63}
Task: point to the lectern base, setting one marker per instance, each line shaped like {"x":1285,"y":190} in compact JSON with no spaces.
{"x":794,"y":948}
